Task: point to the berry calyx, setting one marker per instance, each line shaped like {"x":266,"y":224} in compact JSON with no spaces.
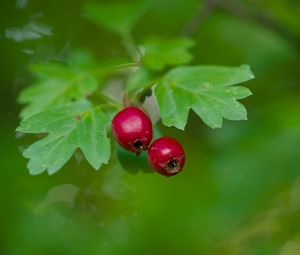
{"x":166,"y":156}
{"x":132,"y":129}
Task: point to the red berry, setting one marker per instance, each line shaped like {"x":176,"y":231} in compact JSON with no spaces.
{"x":132,"y":129}
{"x":166,"y":156}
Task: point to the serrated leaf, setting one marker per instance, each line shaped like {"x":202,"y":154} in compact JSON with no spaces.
{"x":205,"y":89}
{"x":118,"y":17}
{"x":57,"y":84}
{"x":138,"y":80}
{"x":163,"y":52}
{"x":76,"y":125}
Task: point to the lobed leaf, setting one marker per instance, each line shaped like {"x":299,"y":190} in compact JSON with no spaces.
{"x":163,"y":52}
{"x":138,"y":80}
{"x":205,"y":89}
{"x":57,"y":84}
{"x":76,"y":125}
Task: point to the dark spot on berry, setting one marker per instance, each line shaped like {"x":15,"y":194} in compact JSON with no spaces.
{"x":172,"y":167}
{"x":138,"y":146}
{"x":173,"y":163}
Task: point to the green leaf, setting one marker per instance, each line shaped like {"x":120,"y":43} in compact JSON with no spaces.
{"x":160,"y":53}
{"x":82,"y":59}
{"x":76,"y":125}
{"x":138,"y":80}
{"x":117,"y":17}
{"x":56,"y":84}
{"x":205,"y":89}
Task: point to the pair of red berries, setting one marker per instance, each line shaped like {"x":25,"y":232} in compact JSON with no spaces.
{"x":132,"y":129}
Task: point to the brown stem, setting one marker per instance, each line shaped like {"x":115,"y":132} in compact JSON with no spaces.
{"x":241,"y":11}
{"x":202,"y":13}
{"x":126,"y":101}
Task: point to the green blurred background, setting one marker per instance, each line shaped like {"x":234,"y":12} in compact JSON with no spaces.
{"x":240,"y":190}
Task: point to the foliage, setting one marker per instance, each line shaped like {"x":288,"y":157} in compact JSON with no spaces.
{"x":58,"y":83}
{"x":206,"y":90}
{"x":239,"y":192}
{"x":160,"y":53}
{"x":75,"y":125}
{"x":54,"y":103}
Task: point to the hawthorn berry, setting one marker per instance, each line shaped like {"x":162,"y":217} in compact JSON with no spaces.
{"x":132,"y":128}
{"x":166,"y":156}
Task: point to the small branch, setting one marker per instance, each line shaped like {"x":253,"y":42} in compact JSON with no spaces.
{"x":241,"y":11}
{"x":202,"y":14}
{"x":126,"y":101}
{"x":126,"y":65}
{"x":111,"y":69}
{"x":237,"y":9}
{"x":108,"y":100}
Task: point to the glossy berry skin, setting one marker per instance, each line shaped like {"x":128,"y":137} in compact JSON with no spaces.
{"x":166,"y":156}
{"x":132,"y":128}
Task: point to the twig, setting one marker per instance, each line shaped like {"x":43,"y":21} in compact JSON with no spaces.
{"x":202,"y":13}
{"x":126,"y":101}
{"x":239,"y":10}
{"x":112,"y":69}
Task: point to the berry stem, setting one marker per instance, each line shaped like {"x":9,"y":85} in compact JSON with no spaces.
{"x":126,"y":101}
